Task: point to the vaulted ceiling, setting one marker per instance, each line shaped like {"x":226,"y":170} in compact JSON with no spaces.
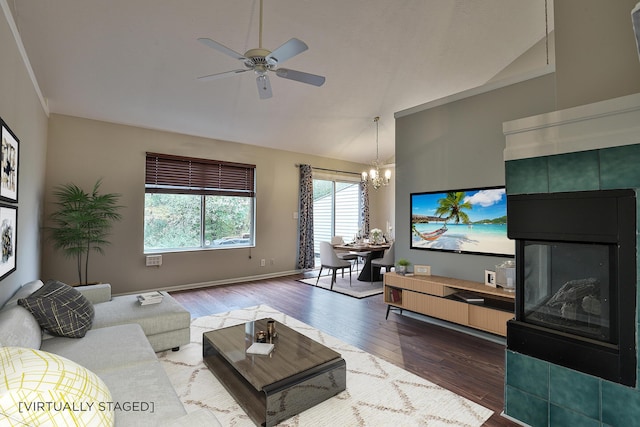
{"x":137,"y":62}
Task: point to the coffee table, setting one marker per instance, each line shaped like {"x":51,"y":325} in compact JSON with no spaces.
{"x":298,"y":374}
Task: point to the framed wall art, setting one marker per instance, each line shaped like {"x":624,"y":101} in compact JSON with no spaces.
{"x":8,"y":164}
{"x":8,"y":237}
{"x":422,"y":270}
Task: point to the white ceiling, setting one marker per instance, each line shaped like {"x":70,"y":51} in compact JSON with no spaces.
{"x":136,"y":62}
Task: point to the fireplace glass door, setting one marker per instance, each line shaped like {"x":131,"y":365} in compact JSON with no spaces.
{"x":567,"y":287}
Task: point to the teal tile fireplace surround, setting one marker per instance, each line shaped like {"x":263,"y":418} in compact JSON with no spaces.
{"x":540,"y":393}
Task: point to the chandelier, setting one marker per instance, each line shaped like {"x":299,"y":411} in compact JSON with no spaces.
{"x":374,"y":176}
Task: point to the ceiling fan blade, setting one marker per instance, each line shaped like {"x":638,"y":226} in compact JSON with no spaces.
{"x":264,"y":86}
{"x":221,"y":48}
{"x":300,"y":76}
{"x":288,"y":50}
{"x":221,"y":75}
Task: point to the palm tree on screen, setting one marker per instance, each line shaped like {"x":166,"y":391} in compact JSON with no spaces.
{"x":452,"y":208}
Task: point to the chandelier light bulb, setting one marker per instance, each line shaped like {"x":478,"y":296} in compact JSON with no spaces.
{"x":374,"y":176}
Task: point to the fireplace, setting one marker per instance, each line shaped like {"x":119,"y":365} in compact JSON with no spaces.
{"x":576,"y":280}
{"x":558,"y":158}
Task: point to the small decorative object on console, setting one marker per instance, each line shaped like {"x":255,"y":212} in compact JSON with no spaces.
{"x":506,"y":275}
{"x":469,"y":297}
{"x":490,"y":278}
{"x":422,"y":270}
{"x":150,"y":298}
{"x":402,"y":265}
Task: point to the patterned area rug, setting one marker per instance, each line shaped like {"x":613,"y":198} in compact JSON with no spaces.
{"x":355,"y":289}
{"x":378,"y":393}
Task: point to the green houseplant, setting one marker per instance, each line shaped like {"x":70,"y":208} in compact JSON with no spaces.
{"x":81,"y":223}
{"x":402,"y":265}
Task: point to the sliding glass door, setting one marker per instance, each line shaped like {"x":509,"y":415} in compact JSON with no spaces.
{"x":336,"y":211}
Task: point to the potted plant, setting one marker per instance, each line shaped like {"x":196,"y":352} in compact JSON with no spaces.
{"x":402,"y":265}
{"x":82,"y":223}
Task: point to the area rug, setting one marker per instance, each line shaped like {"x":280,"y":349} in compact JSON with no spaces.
{"x":378,"y":393}
{"x":355,"y":289}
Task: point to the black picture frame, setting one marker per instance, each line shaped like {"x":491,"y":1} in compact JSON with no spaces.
{"x":8,"y":239}
{"x":9,"y":163}
{"x":484,"y":234}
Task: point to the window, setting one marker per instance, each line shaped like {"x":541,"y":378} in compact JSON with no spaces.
{"x":197,"y":203}
{"x":336,"y":210}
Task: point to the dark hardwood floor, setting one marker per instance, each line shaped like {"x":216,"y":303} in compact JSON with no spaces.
{"x":467,"y":365}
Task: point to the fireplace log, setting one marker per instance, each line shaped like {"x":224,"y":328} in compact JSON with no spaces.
{"x":574,"y":291}
{"x":591,"y":304}
{"x":569,"y":311}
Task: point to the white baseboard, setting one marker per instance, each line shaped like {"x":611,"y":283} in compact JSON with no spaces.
{"x":228,"y":281}
{"x":503,"y":415}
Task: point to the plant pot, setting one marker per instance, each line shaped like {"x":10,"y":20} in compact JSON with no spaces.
{"x":401,"y":269}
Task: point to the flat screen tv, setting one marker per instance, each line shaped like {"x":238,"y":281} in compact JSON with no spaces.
{"x":472,"y":221}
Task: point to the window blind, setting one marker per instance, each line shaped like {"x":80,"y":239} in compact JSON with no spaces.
{"x":166,"y":173}
{"x":336,"y":176}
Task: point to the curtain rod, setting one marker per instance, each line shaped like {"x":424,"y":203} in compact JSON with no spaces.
{"x":331,"y":170}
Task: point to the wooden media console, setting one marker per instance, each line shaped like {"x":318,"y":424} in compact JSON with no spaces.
{"x":467,"y":303}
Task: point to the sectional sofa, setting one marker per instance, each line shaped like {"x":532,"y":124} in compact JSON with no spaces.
{"x":106,"y":373}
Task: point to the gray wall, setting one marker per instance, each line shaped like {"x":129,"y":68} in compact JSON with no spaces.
{"x":21,"y":109}
{"x":596,"y":54}
{"x":459,"y":145}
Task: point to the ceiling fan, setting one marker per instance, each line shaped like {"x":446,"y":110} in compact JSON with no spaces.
{"x":261,"y":61}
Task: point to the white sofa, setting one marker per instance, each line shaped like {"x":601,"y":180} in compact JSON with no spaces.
{"x":119,"y":348}
{"x":166,"y":325}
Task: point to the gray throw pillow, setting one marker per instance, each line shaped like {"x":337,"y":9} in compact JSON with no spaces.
{"x":60,"y":309}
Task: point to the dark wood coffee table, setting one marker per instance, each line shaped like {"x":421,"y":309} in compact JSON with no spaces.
{"x":298,"y":374}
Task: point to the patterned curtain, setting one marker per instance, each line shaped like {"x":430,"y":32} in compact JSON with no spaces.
{"x":364,"y":212}
{"x":305,"y":222}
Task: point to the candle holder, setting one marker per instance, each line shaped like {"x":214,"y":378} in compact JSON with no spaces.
{"x":261,"y":336}
{"x":271,"y":330}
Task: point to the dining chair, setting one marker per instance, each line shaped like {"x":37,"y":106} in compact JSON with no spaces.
{"x":387,"y":261}
{"x":337,"y":240}
{"x":347,"y":256}
{"x":329,"y":259}
{"x":357,"y":256}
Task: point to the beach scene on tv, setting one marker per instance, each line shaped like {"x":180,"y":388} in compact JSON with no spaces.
{"x":461,"y":221}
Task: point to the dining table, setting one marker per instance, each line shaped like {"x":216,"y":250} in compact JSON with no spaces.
{"x":368,"y":251}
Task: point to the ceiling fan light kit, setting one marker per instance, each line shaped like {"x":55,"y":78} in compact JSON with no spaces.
{"x":261,"y":61}
{"x":374,"y":177}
